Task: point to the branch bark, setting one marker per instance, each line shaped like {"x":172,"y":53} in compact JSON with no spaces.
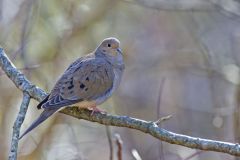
{"x":119,"y":144}
{"x":147,"y":127}
{"x":17,"y":125}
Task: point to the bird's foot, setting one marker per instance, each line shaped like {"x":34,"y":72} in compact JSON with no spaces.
{"x":95,"y":109}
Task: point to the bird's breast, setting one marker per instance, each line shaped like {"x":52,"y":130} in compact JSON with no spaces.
{"x":116,"y":81}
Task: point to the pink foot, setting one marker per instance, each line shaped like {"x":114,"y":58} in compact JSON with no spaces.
{"x":95,"y":109}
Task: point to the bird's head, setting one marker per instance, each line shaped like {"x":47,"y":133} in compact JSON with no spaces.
{"x":110,"y":49}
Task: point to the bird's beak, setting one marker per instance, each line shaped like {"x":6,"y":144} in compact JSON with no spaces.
{"x":119,"y":50}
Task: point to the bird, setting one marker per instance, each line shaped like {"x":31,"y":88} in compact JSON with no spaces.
{"x":87,"y":82}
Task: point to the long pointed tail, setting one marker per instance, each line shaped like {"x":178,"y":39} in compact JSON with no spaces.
{"x":43,"y":116}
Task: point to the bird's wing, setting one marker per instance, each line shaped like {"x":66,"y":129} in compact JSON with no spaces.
{"x":86,"y":80}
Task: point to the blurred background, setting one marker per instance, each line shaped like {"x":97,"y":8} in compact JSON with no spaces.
{"x":182,"y":59}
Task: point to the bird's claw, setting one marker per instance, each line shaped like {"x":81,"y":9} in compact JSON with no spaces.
{"x":95,"y":109}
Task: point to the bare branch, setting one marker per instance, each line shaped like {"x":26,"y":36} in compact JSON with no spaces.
{"x":148,"y":127}
{"x":119,"y":146}
{"x":17,"y":125}
{"x":162,"y":119}
{"x":136,"y":155}
{"x":109,"y":137}
{"x":157,"y":132}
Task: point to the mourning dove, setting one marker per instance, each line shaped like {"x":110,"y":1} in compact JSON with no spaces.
{"x":87,"y":82}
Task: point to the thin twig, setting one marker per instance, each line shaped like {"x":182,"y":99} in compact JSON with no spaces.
{"x":162,"y":119}
{"x":110,"y":143}
{"x":119,"y":146}
{"x":136,"y":155}
{"x":17,"y":125}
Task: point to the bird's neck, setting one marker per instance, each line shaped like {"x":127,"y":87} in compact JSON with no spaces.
{"x":116,"y":61}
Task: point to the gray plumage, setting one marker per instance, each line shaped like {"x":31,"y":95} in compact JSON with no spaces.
{"x":87,"y":82}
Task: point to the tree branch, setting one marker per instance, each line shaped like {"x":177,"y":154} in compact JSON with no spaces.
{"x":119,"y":144}
{"x":153,"y":129}
{"x":110,"y":143}
{"x":17,"y":125}
{"x":148,"y":127}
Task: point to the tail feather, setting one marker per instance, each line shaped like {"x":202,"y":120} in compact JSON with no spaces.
{"x":43,"y":116}
{"x":39,"y":106}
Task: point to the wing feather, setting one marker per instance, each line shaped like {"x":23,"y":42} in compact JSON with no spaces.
{"x":86,"y":80}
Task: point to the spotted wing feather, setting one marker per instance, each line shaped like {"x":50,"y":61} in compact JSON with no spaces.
{"x":85,"y":81}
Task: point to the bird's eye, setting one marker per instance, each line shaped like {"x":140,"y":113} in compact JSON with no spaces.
{"x":109,"y":45}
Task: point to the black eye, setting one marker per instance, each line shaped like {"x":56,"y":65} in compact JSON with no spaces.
{"x":109,"y":45}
